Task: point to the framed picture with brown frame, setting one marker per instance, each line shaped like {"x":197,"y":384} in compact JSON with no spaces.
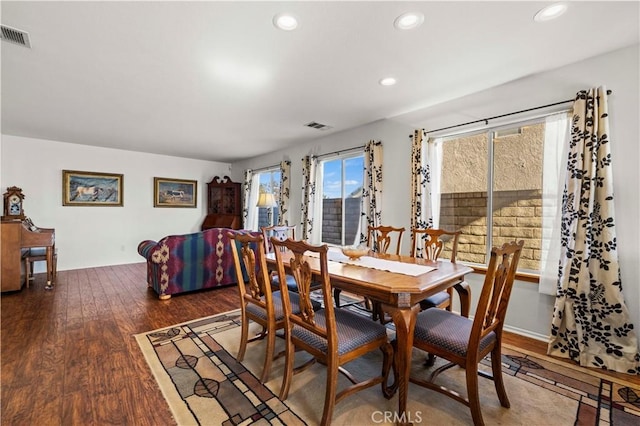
{"x":92,"y":189}
{"x":174,"y":192}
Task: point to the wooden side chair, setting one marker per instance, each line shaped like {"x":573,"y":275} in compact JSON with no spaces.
{"x":465,"y":342}
{"x":380,"y":240}
{"x":429,"y":243}
{"x":332,"y":336}
{"x":257,"y":301}
{"x":281,"y":233}
{"x":381,"y":237}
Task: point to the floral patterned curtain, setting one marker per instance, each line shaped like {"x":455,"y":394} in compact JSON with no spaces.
{"x":590,"y":320}
{"x":249,"y":211}
{"x":309,"y":166}
{"x":283,"y":199}
{"x":371,"y":201}
{"x":426,"y":159}
{"x":248,"y":177}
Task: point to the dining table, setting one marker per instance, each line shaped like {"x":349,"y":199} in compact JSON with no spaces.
{"x":399,"y":283}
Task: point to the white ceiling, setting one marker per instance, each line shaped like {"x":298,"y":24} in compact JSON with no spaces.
{"x":216,"y":80}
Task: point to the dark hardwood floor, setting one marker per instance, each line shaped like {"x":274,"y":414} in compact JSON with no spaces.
{"x":69,"y":356}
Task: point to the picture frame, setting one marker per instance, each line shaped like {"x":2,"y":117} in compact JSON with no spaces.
{"x":168,"y":192}
{"x":97,"y":189}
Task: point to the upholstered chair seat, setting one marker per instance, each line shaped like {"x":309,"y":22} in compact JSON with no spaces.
{"x":353,"y":329}
{"x":434,"y":301}
{"x":448,"y":331}
{"x":291,"y":282}
{"x":277,"y":306}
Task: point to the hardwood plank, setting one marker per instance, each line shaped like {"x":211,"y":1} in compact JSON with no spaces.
{"x":17,"y":405}
{"x":77,"y":409}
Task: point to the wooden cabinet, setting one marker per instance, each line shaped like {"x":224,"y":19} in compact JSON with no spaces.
{"x":11,"y":255}
{"x":224,"y":204}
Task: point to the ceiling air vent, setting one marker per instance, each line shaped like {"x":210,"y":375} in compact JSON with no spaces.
{"x":318,"y":126}
{"x":15,"y":36}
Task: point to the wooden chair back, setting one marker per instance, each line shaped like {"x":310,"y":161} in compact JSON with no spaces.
{"x":496,"y":291}
{"x":255,"y":291}
{"x":280,"y":232}
{"x":252,"y":254}
{"x":429,"y":243}
{"x":301,"y":271}
{"x":380,"y":238}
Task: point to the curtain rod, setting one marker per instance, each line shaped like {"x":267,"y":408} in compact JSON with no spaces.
{"x":342,"y":151}
{"x":263,"y":169}
{"x":486,"y":120}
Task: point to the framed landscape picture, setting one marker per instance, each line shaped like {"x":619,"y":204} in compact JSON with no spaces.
{"x":174,"y":192}
{"x":92,"y":189}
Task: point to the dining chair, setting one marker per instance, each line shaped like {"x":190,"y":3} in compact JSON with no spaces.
{"x":465,"y":342}
{"x":429,"y":243}
{"x":380,"y":240}
{"x":258,"y":302}
{"x":332,"y":336}
{"x":381,"y":237}
{"x":279,"y":232}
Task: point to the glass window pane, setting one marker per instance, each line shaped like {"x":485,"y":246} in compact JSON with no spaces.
{"x":269,"y":182}
{"x":342,"y":180}
{"x":517,"y":190}
{"x":463,"y":199}
{"x":353,"y":181}
{"x":332,"y":201}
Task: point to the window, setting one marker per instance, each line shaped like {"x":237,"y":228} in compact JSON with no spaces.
{"x":491,"y":190}
{"x":342,"y":179}
{"x":269,"y":182}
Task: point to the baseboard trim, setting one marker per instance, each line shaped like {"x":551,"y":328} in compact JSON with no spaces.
{"x":526,"y":333}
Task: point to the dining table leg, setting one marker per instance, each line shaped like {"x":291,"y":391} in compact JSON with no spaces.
{"x":405,"y":321}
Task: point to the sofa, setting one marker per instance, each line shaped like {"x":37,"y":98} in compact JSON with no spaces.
{"x":183,"y":263}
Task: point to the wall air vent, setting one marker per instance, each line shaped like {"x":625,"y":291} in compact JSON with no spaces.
{"x":318,"y":126}
{"x":15,"y":36}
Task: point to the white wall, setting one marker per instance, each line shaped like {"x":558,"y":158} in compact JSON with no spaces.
{"x":529,"y":312}
{"x":98,"y":236}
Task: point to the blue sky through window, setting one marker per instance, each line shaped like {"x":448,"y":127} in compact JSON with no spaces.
{"x":332,"y":176}
{"x":270,"y":181}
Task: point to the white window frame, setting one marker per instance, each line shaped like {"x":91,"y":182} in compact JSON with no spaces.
{"x":490,"y":132}
{"x":351,"y":154}
{"x":257,"y":174}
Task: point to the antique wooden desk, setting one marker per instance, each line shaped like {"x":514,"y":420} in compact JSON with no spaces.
{"x":399,"y":293}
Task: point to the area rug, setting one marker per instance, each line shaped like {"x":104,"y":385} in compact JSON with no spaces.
{"x":195,"y":367}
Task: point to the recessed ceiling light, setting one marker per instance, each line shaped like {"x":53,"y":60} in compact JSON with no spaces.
{"x":550,"y":12}
{"x":389,"y":81}
{"x":285,"y":21}
{"x":409,"y":20}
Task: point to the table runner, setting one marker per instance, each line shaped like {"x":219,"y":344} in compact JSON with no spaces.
{"x":336,"y":255}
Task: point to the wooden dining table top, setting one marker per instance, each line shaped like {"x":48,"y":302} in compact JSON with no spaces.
{"x":391,"y":288}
